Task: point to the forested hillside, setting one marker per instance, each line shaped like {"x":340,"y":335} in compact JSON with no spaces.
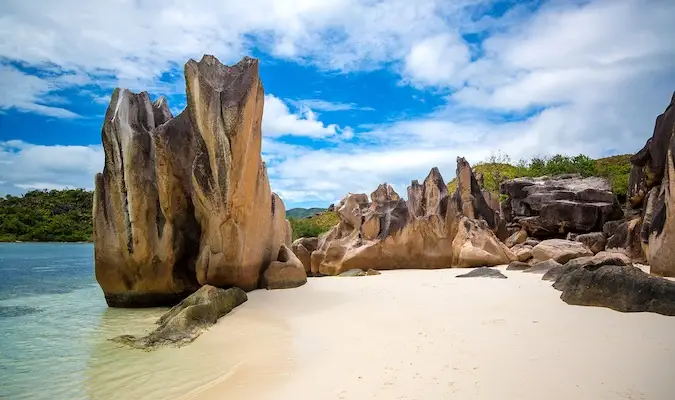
{"x":46,"y":216}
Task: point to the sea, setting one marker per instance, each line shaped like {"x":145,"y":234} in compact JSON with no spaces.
{"x":55,"y":328}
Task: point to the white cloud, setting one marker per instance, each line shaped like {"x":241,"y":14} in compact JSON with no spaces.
{"x":278,"y":120}
{"x":28,"y":166}
{"x":31,"y":93}
{"x":323,"y":105}
{"x":437,"y":60}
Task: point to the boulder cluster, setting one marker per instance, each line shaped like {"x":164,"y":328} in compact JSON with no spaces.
{"x":432,"y":229}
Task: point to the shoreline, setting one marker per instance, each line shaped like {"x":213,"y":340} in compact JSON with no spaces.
{"x":424,"y":334}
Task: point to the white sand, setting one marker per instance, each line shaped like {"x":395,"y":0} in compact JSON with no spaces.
{"x":427,"y":335}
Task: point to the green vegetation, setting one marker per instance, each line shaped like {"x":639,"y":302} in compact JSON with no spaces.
{"x":46,"y":216}
{"x":303,"y":212}
{"x":498,"y":168}
{"x":314,"y":225}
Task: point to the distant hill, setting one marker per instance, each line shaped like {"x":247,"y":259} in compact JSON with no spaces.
{"x":46,"y":216}
{"x":303,"y":212}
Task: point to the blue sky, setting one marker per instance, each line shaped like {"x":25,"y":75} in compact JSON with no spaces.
{"x":358,"y":92}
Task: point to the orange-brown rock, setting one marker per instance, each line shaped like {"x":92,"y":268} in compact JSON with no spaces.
{"x":426,"y":232}
{"x":303,"y":248}
{"x":185,"y":201}
{"x":286,"y":272}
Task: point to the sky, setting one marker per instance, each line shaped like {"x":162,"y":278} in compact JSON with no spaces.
{"x":357,"y":92}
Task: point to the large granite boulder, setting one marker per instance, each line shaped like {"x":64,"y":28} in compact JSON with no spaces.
{"x":430,"y":230}
{"x":554,"y":206}
{"x":188,"y":319}
{"x":621,"y":288}
{"x":185,"y":201}
{"x":286,"y":272}
{"x":560,"y":250}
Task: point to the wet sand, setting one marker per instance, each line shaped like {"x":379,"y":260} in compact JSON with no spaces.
{"x":427,"y":335}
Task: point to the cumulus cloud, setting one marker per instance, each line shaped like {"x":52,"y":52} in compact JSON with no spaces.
{"x":278,"y":120}
{"x":31,"y":93}
{"x":25,"y":166}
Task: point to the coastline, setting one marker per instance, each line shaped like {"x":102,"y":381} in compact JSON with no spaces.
{"x":424,"y":334}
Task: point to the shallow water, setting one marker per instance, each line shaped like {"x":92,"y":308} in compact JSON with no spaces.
{"x":55,"y":326}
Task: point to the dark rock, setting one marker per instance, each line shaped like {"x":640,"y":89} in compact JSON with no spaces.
{"x":555,"y":272}
{"x":518,"y":266}
{"x":628,"y":236}
{"x":621,"y":288}
{"x":637,"y":186}
{"x":595,"y":241}
{"x":188,"y":319}
{"x":571,"y":236}
{"x":610,"y":227}
{"x":531,"y":242}
{"x":660,"y":249}
{"x":542,"y":267}
{"x":600,"y":259}
{"x":483,"y":272}
{"x":549,"y":207}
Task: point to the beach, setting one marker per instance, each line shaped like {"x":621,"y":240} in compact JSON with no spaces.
{"x":413,"y":334}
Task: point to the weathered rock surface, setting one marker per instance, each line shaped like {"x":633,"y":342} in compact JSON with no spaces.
{"x":621,"y":288}
{"x":185,"y":201}
{"x":522,"y":252}
{"x":516,"y":238}
{"x":560,"y":250}
{"x":286,"y":272}
{"x":553,"y":206}
{"x":651,"y":187}
{"x":188,"y":319}
{"x":600,"y":259}
{"x":303,"y":248}
{"x":430,"y":230}
{"x":660,"y":249}
{"x":595,"y":241}
{"x":483,"y":272}
{"x":518,"y":266}
{"x":542,"y":267}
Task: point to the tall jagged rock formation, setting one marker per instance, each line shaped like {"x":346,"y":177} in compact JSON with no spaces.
{"x":185,"y":201}
{"x":430,"y":230}
{"x":652,"y":189}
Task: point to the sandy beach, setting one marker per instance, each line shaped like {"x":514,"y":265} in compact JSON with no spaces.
{"x":416,"y":334}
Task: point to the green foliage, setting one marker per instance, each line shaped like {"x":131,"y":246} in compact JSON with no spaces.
{"x":47,"y":216}
{"x":313,"y":226}
{"x":498,"y":168}
{"x":617,"y":170}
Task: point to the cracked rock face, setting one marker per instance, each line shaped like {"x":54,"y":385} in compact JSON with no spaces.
{"x":550,"y":207}
{"x":185,"y":201}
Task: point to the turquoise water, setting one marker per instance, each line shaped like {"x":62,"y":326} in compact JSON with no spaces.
{"x":55,"y":326}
